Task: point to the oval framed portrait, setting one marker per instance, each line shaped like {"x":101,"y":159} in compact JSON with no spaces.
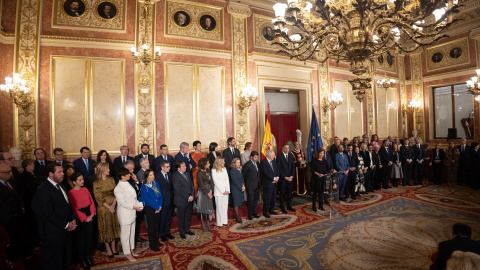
{"x":181,"y":18}
{"x":390,"y":59}
{"x":268,"y":33}
{"x":380,"y":59}
{"x":456,"y":52}
{"x":74,"y":8}
{"x":107,"y":10}
{"x":437,"y":57}
{"x":207,"y":22}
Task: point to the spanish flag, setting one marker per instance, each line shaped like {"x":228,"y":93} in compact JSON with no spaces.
{"x":267,"y":137}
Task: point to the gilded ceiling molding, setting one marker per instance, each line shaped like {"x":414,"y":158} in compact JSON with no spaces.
{"x":403,"y":93}
{"x":27,"y":40}
{"x":370,"y":106}
{"x":417,"y":93}
{"x":240,"y":69}
{"x":145,"y":78}
{"x":324,"y":95}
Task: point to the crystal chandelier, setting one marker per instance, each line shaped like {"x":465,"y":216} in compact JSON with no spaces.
{"x":357,"y":31}
{"x":474,"y":86}
{"x":248,"y":95}
{"x":18,"y":91}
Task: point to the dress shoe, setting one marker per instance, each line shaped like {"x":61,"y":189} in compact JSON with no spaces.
{"x":170,"y":236}
{"x":116,"y":253}
{"x":183,"y":236}
{"x":343,"y":199}
{"x":256,"y":216}
{"x":90,"y":263}
{"x":164,"y":239}
{"x":239,"y":220}
{"x":110,"y":256}
{"x":284,"y":211}
{"x":290,"y":209}
{"x":321,"y":207}
{"x":266,"y":215}
{"x":250,"y":218}
{"x":314,"y":209}
{"x":159,"y":245}
{"x":273,"y":213}
{"x":154,"y":248}
{"x":225,"y":224}
{"x":141,"y":240}
{"x":190,"y":233}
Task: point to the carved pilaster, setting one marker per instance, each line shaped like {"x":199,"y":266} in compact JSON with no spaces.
{"x":324,"y":94}
{"x":144,"y":77}
{"x":370,"y":106}
{"x":403,"y":93}
{"x":27,"y":40}
{"x":417,"y":93}
{"x":240,"y":68}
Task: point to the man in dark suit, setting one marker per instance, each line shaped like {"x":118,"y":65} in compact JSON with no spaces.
{"x":183,"y":194}
{"x":463,"y":162}
{"x":164,"y":156}
{"x":119,"y":162}
{"x":406,"y":157}
{"x":137,"y":185}
{"x":386,"y":158}
{"x":372,"y":169}
{"x":164,"y":179}
{"x":342,"y":166}
{"x":251,"y":176}
{"x":286,"y":171}
{"x":352,"y":172}
{"x":11,"y":208}
{"x":461,"y":240}
{"x":329,"y":159}
{"x":230,"y":153}
{"x":56,"y":220}
{"x":184,"y":155}
{"x":270,"y":177}
{"x":151,"y":158}
{"x":419,"y":156}
{"x":40,"y":163}
{"x":58,"y":153}
{"x":84,"y":165}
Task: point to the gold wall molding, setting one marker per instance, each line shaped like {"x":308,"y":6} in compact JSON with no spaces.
{"x":417,"y":93}
{"x":145,"y":78}
{"x":440,"y":56}
{"x":90,"y":18}
{"x":448,"y":75}
{"x":324,"y":94}
{"x":371,"y":128}
{"x":27,"y":44}
{"x":7,"y":38}
{"x":193,"y":28}
{"x":403,"y":93}
{"x":240,"y":69}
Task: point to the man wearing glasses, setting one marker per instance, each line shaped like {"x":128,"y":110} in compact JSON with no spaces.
{"x":8,"y":159}
{"x":164,"y":179}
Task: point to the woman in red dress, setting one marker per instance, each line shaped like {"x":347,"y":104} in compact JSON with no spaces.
{"x":196,"y":155}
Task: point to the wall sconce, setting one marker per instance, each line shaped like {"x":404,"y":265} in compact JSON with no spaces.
{"x":18,"y":91}
{"x":474,"y":86}
{"x":248,"y":95}
{"x":334,"y":99}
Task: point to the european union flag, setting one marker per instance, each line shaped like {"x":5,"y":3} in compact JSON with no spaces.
{"x":314,"y":139}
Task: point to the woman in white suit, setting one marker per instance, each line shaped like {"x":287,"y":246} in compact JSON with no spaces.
{"x":221,"y":190}
{"x":127,"y":205}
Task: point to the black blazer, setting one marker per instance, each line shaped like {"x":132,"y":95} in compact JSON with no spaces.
{"x":446,"y":248}
{"x":465,"y":155}
{"x":81,"y":168}
{"x":375,"y":159}
{"x":53,"y":212}
{"x":188,"y":161}
{"x":419,"y":154}
{"x":170,"y":160}
{"x":166,"y":188}
{"x":136,"y":186}
{"x":366,"y":158}
{"x":441,"y":156}
{"x":40,"y":170}
{"x":182,"y":188}
{"x":406,"y":153}
{"x":251,"y":176}
{"x":151,"y":159}
{"x":286,"y":168}
{"x":117,"y":163}
{"x":11,"y":204}
{"x":229,"y":156}
{"x":353,"y":161}
{"x":385,"y":157}
{"x":211,"y":158}
{"x":267,"y":173}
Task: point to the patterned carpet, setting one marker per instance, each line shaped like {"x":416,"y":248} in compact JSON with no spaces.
{"x":395,"y":229}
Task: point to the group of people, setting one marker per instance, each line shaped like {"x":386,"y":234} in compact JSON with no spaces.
{"x":99,"y":201}
{"x":364,"y":166}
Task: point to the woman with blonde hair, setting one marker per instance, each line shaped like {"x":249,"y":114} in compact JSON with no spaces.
{"x":463,"y":261}
{"x":221,"y":190}
{"x":108,"y":226}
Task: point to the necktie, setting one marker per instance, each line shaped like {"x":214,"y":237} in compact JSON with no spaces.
{"x":463,"y":148}
{"x":286,"y":157}
{"x":59,"y":189}
{"x":386,"y":149}
{"x":123,"y":158}
{"x":184,"y":176}
{"x":41,"y":162}
{"x":233,"y":151}
{"x":166,"y":177}
{"x":271,"y":165}
{"x":165,"y":157}
{"x":419,"y":147}
{"x":145,"y":157}
{"x":86,"y":163}
{"x":8,"y":186}
{"x":350,"y":154}
{"x":255,"y":164}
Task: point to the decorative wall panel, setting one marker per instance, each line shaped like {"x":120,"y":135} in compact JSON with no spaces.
{"x":193,"y":20}
{"x":382,"y":109}
{"x":448,"y":55}
{"x":210,"y":105}
{"x":69,"y":104}
{"x":106,"y":99}
{"x":342,"y":115}
{"x":90,"y":14}
{"x":392,"y":117}
{"x":355,"y":111}
{"x":180,"y":104}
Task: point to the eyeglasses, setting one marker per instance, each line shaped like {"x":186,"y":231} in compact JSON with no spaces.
{"x":167,"y":166}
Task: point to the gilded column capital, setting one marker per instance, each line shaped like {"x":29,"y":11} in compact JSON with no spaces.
{"x":239,"y":10}
{"x":475,"y":34}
